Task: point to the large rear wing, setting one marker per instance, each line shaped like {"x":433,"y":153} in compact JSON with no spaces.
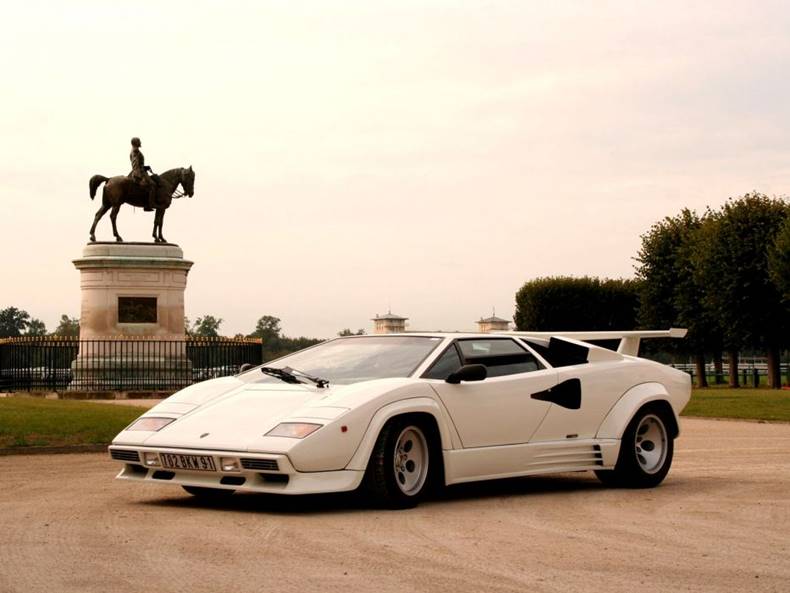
{"x":629,"y":340}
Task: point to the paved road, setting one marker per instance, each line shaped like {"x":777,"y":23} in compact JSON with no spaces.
{"x":721,"y":522}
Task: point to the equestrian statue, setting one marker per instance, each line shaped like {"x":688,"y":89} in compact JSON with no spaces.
{"x":150,"y":192}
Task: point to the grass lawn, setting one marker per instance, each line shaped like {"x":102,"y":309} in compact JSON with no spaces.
{"x":31,"y":422}
{"x":753,"y":404}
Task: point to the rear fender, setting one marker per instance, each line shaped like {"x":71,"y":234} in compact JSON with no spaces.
{"x":627,"y":406}
{"x":424,"y":405}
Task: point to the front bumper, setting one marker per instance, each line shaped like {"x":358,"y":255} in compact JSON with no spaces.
{"x":266,"y":473}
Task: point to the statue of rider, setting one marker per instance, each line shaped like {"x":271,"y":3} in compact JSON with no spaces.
{"x":139,"y":174}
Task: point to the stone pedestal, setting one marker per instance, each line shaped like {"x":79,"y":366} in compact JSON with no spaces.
{"x":132,"y":316}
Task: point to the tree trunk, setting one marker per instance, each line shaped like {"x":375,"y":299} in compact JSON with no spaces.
{"x":774,"y":369}
{"x":718,"y":368}
{"x":732,"y":357}
{"x":699,"y":363}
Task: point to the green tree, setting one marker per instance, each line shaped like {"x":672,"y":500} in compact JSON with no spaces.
{"x":565,"y":303}
{"x":206,"y":327}
{"x":267,"y":328}
{"x":657,"y":270}
{"x":670,"y":293}
{"x":779,"y":261}
{"x":740,"y":289}
{"x":36,"y":327}
{"x":694,"y":313}
{"x":274,"y":344}
{"x":347,"y":332}
{"x":288,"y":345}
{"x":13,"y":322}
{"x":68,"y":326}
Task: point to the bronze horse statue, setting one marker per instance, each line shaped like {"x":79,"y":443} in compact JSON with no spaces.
{"x":122,"y":190}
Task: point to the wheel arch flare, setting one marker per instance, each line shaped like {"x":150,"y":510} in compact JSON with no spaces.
{"x":422,"y":406}
{"x":618,"y":418}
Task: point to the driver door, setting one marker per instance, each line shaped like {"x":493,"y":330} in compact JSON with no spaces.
{"x":498,"y":410}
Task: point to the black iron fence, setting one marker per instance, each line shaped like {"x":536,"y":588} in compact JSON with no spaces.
{"x":122,"y":364}
{"x":750,"y":373}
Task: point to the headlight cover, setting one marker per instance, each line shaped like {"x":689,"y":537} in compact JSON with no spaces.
{"x":293,"y":430}
{"x":150,"y":423}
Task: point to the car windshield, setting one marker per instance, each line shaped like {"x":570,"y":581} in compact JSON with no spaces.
{"x":349,"y":360}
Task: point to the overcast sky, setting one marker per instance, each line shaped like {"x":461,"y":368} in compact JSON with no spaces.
{"x":350,"y":156}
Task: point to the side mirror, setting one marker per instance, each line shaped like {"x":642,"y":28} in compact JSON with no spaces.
{"x":245,"y":367}
{"x":468,"y":372}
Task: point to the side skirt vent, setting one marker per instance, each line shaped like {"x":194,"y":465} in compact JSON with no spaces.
{"x":577,"y":456}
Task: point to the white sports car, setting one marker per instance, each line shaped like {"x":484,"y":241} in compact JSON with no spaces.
{"x":397,"y":414}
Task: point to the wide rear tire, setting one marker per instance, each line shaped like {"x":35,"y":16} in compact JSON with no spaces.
{"x":646,"y":451}
{"x":401,"y":465}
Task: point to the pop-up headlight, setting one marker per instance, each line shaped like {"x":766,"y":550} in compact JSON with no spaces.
{"x":150,"y":423}
{"x":293,"y":430}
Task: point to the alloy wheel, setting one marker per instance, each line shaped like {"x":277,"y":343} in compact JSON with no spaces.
{"x":410,"y":460}
{"x":651,"y":444}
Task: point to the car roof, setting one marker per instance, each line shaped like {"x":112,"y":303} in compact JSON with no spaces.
{"x":438,"y":334}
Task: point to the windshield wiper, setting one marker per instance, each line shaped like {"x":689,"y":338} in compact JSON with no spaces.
{"x":289,"y":375}
{"x":281,"y":374}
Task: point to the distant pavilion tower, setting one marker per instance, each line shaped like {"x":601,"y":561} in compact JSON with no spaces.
{"x":389,"y":323}
{"x":493,"y":324}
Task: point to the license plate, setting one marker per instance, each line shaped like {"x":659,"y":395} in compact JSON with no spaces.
{"x":202,"y":463}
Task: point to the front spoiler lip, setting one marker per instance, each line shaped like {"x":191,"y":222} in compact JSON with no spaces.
{"x":298,"y":482}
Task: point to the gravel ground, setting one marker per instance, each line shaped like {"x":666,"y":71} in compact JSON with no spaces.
{"x":720,"y":522}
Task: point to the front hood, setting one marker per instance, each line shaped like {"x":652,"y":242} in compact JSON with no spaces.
{"x":235,"y":415}
{"x":200,"y":393}
{"x":234,"y":420}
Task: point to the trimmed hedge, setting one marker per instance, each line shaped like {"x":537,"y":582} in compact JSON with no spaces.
{"x":565,"y":303}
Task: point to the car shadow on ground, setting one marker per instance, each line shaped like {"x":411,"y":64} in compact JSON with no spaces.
{"x":348,"y":502}
{"x":527,"y":486}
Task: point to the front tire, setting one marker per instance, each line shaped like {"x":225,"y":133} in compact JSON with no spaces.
{"x":400,"y":466}
{"x":646,"y":451}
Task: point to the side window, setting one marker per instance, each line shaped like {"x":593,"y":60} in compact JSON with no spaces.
{"x":447,"y":363}
{"x":501,"y":356}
